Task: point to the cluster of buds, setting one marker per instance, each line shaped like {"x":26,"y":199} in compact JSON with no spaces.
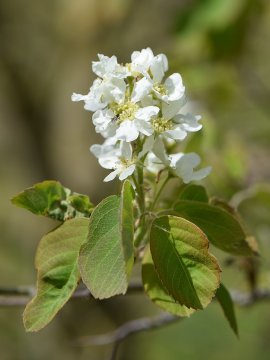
{"x":138,"y":112}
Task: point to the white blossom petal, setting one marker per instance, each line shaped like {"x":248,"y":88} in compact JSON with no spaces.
{"x":147,"y":146}
{"x":141,"y":60}
{"x":111,"y":176}
{"x":144,"y":127}
{"x":176,"y":134}
{"x":141,"y":89}
{"x":189,"y":122}
{"x":184,"y":167}
{"x":146,"y":113}
{"x":158,"y":67}
{"x":127,"y":172}
{"x":78,"y":97}
{"x":160,"y":151}
{"x":127,"y":131}
{"x":172,"y":108}
{"x":175,"y":87}
{"x":126,"y":150}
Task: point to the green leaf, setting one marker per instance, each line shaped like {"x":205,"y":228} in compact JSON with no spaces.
{"x":80,"y":203}
{"x":49,"y":198}
{"x":193,"y":192}
{"x":58,"y":273}
{"x":224,"y":298}
{"x":250,"y":239}
{"x":106,"y":258}
{"x":41,"y":198}
{"x":221,"y":228}
{"x":189,"y":273}
{"x":157,"y":292}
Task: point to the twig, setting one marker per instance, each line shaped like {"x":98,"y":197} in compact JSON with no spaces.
{"x":118,"y":335}
{"x":247,"y":299}
{"x":20,"y":296}
{"x":129,"y":328}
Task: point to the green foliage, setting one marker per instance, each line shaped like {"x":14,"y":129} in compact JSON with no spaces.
{"x":157,"y":292}
{"x":106,"y":257}
{"x":58,"y":273}
{"x":221,"y":228}
{"x":193,"y":192}
{"x":224,"y":298}
{"x":182,"y":261}
{"x":49,"y":198}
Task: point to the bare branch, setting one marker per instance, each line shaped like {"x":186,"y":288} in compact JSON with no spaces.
{"x":129,"y":328}
{"x":247,"y":299}
{"x":20,"y":296}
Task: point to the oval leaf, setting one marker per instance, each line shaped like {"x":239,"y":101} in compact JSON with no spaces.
{"x":224,"y":298}
{"x":41,"y":197}
{"x":49,"y":198}
{"x":106,"y":258}
{"x":189,"y":273}
{"x":193,"y":192}
{"x":221,"y":228}
{"x":157,"y":292}
{"x":58,"y":272}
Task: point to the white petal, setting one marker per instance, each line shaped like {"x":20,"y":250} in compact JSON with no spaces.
{"x":147,"y":146}
{"x":127,"y":131}
{"x":176,"y":134}
{"x":202,"y":173}
{"x":160,"y":151}
{"x":118,"y":89}
{"x":78,"y":97}
{"x":143,"y":57}
{"x":175,"y":87}
{"x":126,"y":150}
{"x":96,"y":150}
{"x":105,"y":66}
{"x":109,"y":162}
{"x":127,"y":172}
{"x":102,"y":119}
{"x":141,"y":89}
{"x":172,"y":108}
{"x":111,"y":176}
{"x":184,"y":168}
{"x":144,"y":127}
{"x":146,"y":113}
{"x":158,"y":67}
{"x":189,"y":122}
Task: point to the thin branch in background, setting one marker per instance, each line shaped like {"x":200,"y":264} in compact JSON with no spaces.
{"x":20,"y":296}
{"x":129,"y":328}
{"x":246,"y":299}
{"x":118,"y":335}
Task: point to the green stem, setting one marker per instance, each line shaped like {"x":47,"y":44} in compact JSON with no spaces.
{"x":159,"y":193}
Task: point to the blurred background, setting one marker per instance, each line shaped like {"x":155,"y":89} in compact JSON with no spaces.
{"x":221,"y":48}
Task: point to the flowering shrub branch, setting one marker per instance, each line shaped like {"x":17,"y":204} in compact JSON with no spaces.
{"x":144,"y":118}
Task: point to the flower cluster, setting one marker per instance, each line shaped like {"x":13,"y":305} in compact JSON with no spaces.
{"x":138,"y":112}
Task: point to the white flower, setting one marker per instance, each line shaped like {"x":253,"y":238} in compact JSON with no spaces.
{"x":174,"y":124}
{"x":188,"y":122}
{"x":181,"y":164}
{"x":104,"y":124}
{"x":108,"y":67}
{"x":141,"y":60}
{"x":101,"y":93}
{"x":158,"y":67}
{"x":172,"y":89}
{"x":115,"y":157}
{"x":145,"y":63}
{"x":135,"y":122}
{"x":184,"y":164}
{"x":141,"y":89}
